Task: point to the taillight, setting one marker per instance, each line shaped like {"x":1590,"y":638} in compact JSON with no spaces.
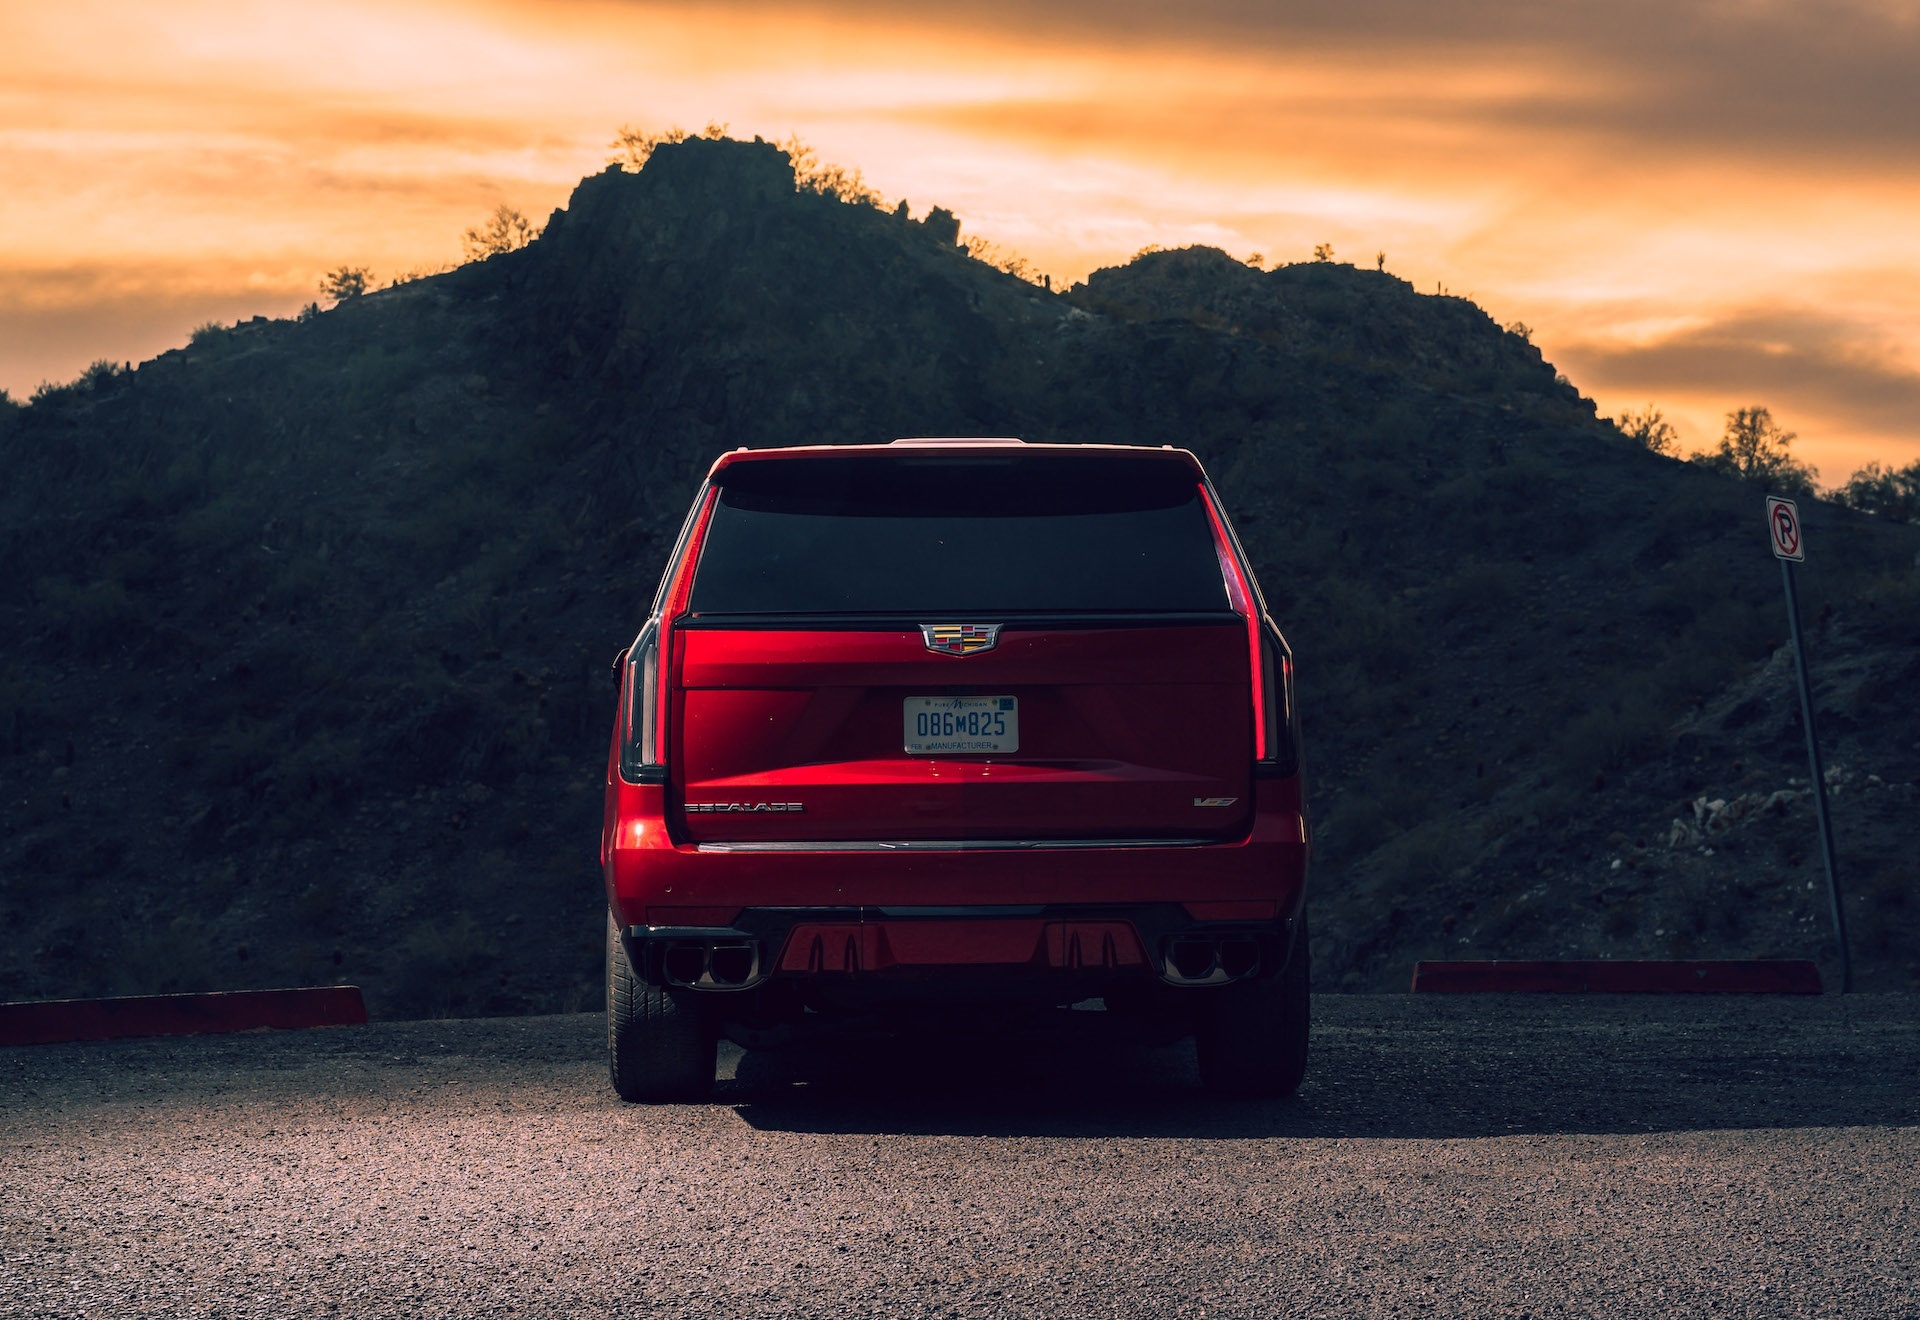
{"x":1273,"y":708}
{"x":1265,"y":706}
{"x":1240,"y":595}
{"x":1274,"y":749}
{"x":641,"y":756}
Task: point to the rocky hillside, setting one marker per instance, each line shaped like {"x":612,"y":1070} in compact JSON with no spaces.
{"x":310,"y":622}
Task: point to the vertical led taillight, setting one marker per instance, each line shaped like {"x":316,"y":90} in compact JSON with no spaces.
{"x":1276,"y":706}
{"x":1240,"y":595}
{"x":640,"y":758}
{"x":1268,"y":661}
{"x":649,"y":677}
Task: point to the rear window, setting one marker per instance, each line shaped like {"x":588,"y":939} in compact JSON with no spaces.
{"x":933,"y":535}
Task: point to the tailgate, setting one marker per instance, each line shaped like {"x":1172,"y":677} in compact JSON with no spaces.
{"x":1117,"y":732}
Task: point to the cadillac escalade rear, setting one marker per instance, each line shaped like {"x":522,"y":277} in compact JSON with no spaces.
{"x":944,"y":723}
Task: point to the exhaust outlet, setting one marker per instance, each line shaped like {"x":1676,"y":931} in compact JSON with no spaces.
{"x":702,"y":966}
{"x":1210,"y":959}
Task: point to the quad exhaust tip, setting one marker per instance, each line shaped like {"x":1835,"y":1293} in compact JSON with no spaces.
{"x":1210,"y":959}
{"x":700,"y":965}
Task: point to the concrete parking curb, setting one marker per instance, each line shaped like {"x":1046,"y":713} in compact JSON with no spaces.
{"x":1776,"y":976}
{"x":48,"y":1021}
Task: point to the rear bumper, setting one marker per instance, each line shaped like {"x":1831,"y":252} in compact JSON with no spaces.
{"x":1038,"y":942}
{"x":978,"y":908}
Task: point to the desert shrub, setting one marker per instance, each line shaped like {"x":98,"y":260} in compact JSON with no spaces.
{"x":1649,"y":429}
{"x":1618,"y":733}
{"x":101,"y":373}
{"x":1755,"y":448}
{"x":1423,"y":856}
{"x":345,"y":283}
{"x":1890,"y":604}
{"x":985,"y":250}
{"x":411,"y":275}
{"x":1368,"y":814}
{"x":631,"y":146}
{"x":1890,"y":493}
{"x":506,"y":230}
{"x":206,"y":334}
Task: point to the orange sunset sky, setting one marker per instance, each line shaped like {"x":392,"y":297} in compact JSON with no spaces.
{"x":1698,"y":205}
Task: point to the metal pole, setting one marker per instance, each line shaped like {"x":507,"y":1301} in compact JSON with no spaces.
{"x":1819,"y":777}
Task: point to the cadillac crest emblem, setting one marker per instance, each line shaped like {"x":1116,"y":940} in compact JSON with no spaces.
{"x":960,"y":638}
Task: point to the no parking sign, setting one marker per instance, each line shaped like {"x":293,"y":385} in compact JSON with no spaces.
{"x":1783,"y":522}
{"x":1783,"y":528}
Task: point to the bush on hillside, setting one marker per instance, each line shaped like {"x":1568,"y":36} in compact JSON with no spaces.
{"x":1755,"y":448}
{"x":506,"y":230}
{"x":631,"y":147}
{"x":1890,"y":493}
{"x":345,"y":283}
{"x":1649,"y":429}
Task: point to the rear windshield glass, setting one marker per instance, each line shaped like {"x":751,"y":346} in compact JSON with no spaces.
{"x":929,"y":536}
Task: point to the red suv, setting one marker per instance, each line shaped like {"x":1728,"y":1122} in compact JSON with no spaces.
{"x":955,"y":723}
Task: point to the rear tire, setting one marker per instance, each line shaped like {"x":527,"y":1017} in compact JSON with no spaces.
{"x":660,"y":1042}
{"x":1252,"y":1038}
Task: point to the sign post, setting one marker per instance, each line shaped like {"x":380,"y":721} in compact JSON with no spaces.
{"x":1783,"y":525}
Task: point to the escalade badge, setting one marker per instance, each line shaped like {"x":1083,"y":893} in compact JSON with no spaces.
{"x":1215,"y":802}
{"x":745,"y":806}
{"x":960,"y":638}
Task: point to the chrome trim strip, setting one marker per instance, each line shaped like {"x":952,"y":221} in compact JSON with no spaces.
{"x":973,"y":910}
{"x":942,"y":845}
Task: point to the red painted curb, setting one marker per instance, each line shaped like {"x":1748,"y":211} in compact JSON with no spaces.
{"x":1752,"y":976}
{"x":48,"y":1021}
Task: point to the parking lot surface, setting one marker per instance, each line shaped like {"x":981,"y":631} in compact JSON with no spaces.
{"x":1471,"y":1155}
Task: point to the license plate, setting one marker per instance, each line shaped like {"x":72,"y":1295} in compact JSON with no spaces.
{"x":937,"y":725}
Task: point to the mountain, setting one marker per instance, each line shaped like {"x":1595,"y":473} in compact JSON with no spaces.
{"x":311,"y":621}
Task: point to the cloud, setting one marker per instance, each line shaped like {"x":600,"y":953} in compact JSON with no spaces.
{"x":1783,"y":356}
{"x":1831,"y":82}
{"x":1832,"y":379}
{"x":54,"y":322}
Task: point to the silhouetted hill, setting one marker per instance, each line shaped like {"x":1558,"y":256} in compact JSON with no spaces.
{"x":310,"y":622}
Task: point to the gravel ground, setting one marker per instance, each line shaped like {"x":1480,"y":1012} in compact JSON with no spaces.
{"x":1470,"y":1156}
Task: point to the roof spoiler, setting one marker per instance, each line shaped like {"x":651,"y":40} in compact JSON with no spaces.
{"x":956,"y":440}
